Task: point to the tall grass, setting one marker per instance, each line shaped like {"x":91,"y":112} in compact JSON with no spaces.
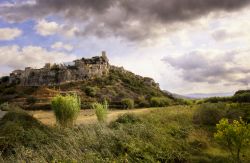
{"x":128,"y":103}
{"x":101,"y":110}
{"x":209,"y":113}
{"x":163,"y":135}
{"x":66,"y":109}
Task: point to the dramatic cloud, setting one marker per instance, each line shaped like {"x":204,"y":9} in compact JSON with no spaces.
{"x":137,"y":34}
{"x":133,"y":20}
{"x":7,"y":34}
{"x":15,"y":57}
{"x":211,"y":66}
{"x":61,"y":45}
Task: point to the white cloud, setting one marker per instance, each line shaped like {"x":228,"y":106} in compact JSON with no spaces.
{"x":233,"y":27}
{"x":16,"y":57}
{"x":60,"y":45}
{"x":7,"y":34}
{"x":47,"y":28}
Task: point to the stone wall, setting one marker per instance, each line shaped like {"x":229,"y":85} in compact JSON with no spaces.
{"x":55,"y":74}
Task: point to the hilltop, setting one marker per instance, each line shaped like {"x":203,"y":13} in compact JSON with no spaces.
{"x":92,"y":79}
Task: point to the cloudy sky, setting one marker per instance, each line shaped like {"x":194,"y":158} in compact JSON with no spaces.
{"x":188,"y":46}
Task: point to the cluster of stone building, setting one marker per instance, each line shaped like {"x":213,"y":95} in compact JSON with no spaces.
{"x":54,"y":74}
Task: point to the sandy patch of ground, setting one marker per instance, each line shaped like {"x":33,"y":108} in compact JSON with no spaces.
{"x":85,"y":117}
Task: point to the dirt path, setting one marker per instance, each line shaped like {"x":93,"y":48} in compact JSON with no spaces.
{"x":85,"y":117}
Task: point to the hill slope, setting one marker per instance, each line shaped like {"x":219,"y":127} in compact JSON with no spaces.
{"x":115,"y":86}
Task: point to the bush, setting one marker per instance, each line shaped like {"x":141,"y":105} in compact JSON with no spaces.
{"x":125,"y":119}
{"x":128,"y":118}
{"x":209,"y":114}
{"x":9,"y":91}
{"x":90,"y":91}
{"x":235,"y":137}
{"x":4,"y":106}
{"x":142,"y":102}
{"x":101,"y":110}
{"x":31,"y":100}
{"x":159,"y":101}
{"x":66,"y":109}
{"x":9,"y":107}
{"x":184,"y":101}
{"x":4,"y":79}
{"x":127,"y":103}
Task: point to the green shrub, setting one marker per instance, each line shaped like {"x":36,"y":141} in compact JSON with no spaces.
{"x":9,"y":107}
{"x":101,"y":110}
{"x":184,"y":101}
{"x":128,"y":118}
{"x":234,"y":137}
{"x":127,"y":103}
{"x":143,"y":103}
{"x":4,"y":79}
{"x":9,"y":91}
{"x":66,"y":109}
{"x":29,"y":90}
{"x":4,"y":106}
{"x":159,"y":101}
{"x":124,"y":119}
{"x":209,"y":113}
{"x":91,"y":91}
{"x":31,"y":100}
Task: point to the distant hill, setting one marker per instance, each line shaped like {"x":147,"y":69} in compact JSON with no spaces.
{"x":204,"y":95}
{"x":177,"y":96}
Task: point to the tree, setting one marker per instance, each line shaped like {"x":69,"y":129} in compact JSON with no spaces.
{"x":234,"y":136}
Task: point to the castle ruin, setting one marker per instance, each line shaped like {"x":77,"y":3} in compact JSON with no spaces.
{"x":54,"y":74}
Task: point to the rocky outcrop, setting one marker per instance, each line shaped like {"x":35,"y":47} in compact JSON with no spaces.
{"x":55,"y":74}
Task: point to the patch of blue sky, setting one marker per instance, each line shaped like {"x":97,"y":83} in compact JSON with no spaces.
{"x":29,"y":36}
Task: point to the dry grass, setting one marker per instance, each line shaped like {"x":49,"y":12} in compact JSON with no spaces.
{"x":85,"y":116}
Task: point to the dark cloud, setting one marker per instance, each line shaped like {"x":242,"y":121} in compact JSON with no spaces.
{"x":180,"y":10}
{"x":130,"y":19}
{"x":209,"y":67}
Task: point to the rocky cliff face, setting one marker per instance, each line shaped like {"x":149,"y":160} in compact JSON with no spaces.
{"x":55,"y":74}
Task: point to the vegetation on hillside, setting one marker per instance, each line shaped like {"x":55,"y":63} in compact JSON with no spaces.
{"x":119,"y":84}
{"x":163,"y":135}
{"x":241,"y":96}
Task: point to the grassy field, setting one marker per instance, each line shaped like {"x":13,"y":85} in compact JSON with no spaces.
{"x":157,"y":135}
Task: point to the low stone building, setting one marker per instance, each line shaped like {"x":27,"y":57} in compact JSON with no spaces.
{"x":55,"y":74}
